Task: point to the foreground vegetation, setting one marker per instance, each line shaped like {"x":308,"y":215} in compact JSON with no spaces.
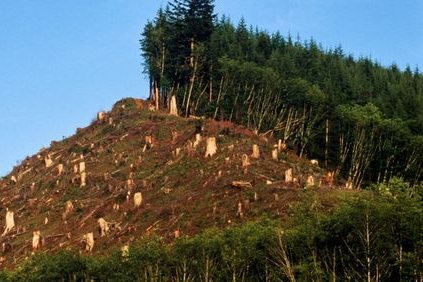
{"x":375,"y":236}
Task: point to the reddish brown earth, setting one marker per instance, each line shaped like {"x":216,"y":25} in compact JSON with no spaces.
{"x":184,"y":192}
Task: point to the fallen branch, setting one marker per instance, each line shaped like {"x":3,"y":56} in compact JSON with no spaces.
{"x":80,"y":144}
{"x":19,"y":234}
{"x":22,"y":174}
{"x":176,"y":219}
{"x":56,"y":235}
{"x":94,"y":210}
{"x":241,"y":184}
{"x":20,"y":209}
{"x":153,"y":225}
{"x":116,"y":171}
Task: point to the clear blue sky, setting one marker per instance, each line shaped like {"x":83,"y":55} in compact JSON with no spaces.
{"x":63,"y":60}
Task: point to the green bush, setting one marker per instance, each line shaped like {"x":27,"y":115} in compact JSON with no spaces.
{"x":63,"y":266}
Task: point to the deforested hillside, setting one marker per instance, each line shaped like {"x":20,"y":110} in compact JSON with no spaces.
{"x":183,"y":183}
{"x":143,"y":195}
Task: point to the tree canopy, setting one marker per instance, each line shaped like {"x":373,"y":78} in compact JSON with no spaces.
{"x":364,"y":120}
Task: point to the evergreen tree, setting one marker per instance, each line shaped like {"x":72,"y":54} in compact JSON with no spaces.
{"x":321,"y":102}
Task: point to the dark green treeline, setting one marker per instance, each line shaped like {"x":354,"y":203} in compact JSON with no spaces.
{"x":361,"y":119}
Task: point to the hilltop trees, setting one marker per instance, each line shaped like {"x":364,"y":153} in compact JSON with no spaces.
{"x":155,"y":53}
{"x":362,"y":119}
{"x":175,"y":50}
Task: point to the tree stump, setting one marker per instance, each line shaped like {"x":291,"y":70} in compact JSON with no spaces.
{"x":211,"y":147}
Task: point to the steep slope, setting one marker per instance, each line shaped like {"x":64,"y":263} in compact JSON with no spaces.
{"x":133,"y":149}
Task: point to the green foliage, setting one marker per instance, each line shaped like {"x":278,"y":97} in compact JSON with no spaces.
{"x":397,"y":188}
{"x":360,"y":115}
{"x":78,"y":149}
{"x":298,"y":90}
{"x":64,"y":266}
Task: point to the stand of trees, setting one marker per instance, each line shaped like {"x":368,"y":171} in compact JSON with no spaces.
{"x":363,"y":120}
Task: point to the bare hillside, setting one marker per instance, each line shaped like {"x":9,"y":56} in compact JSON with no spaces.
{"x":147,"y":172}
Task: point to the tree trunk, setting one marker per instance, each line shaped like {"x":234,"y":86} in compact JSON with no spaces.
{"x":191,"y":58}
{"x":151,"y":91}
{"x":334,"y":266}
{"x":191,"y":87}
{"x":156,"y":96}
{"x":211,"y":84}
{"x":368,"y":259}
{"x":326,"y":142}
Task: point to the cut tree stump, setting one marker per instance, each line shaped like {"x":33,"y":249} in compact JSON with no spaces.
{"x":241,"y":184}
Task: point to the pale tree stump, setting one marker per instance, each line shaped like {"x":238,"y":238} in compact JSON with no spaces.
{"x":211,"y":147}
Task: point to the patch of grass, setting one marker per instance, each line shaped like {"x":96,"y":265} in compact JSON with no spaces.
{"x":50,"y":185}
{"x":78,"y":149}
{"x":198,"y":124}
{"x":44,"y":209}
{"x":182,"y":126}
{"x":182,"y":168}
{"x":107,"y":129}
{"x":121,"y":175}
{"x":163,"y":133}
{"x":249,"y":195}
{"x":202,"y":223}
{"x":128,"y":103}
{"x":156,"y":118}
{"x":72,"y":193}
{"x":129,"y":215}
{"x":147,"y":216}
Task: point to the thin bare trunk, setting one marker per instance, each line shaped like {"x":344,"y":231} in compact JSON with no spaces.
{"x":156,"y":96}
{"x":191,"y":58}
{"x":326,"y":142}
{"x":334,"y":266}
{"x":284,"y":261}
{"x":151,"y":93}
{"x":211,"y":84}
{"x":218,"y":97}
{"x":162,"y":67}
{"x":344,"y":148}
{"x":235,"y":103}
{"x":185,"y":97}
{"x":368,"y":259}
{"x":191,"y":87}
{"x":199,"y":98}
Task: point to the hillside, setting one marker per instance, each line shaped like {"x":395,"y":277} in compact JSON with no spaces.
{"x":183,"y":192}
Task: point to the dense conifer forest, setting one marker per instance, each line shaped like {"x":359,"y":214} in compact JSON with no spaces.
{"x":359,"y":118}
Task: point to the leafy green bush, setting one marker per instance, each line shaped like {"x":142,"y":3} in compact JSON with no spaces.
{"x":63,"y":266}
